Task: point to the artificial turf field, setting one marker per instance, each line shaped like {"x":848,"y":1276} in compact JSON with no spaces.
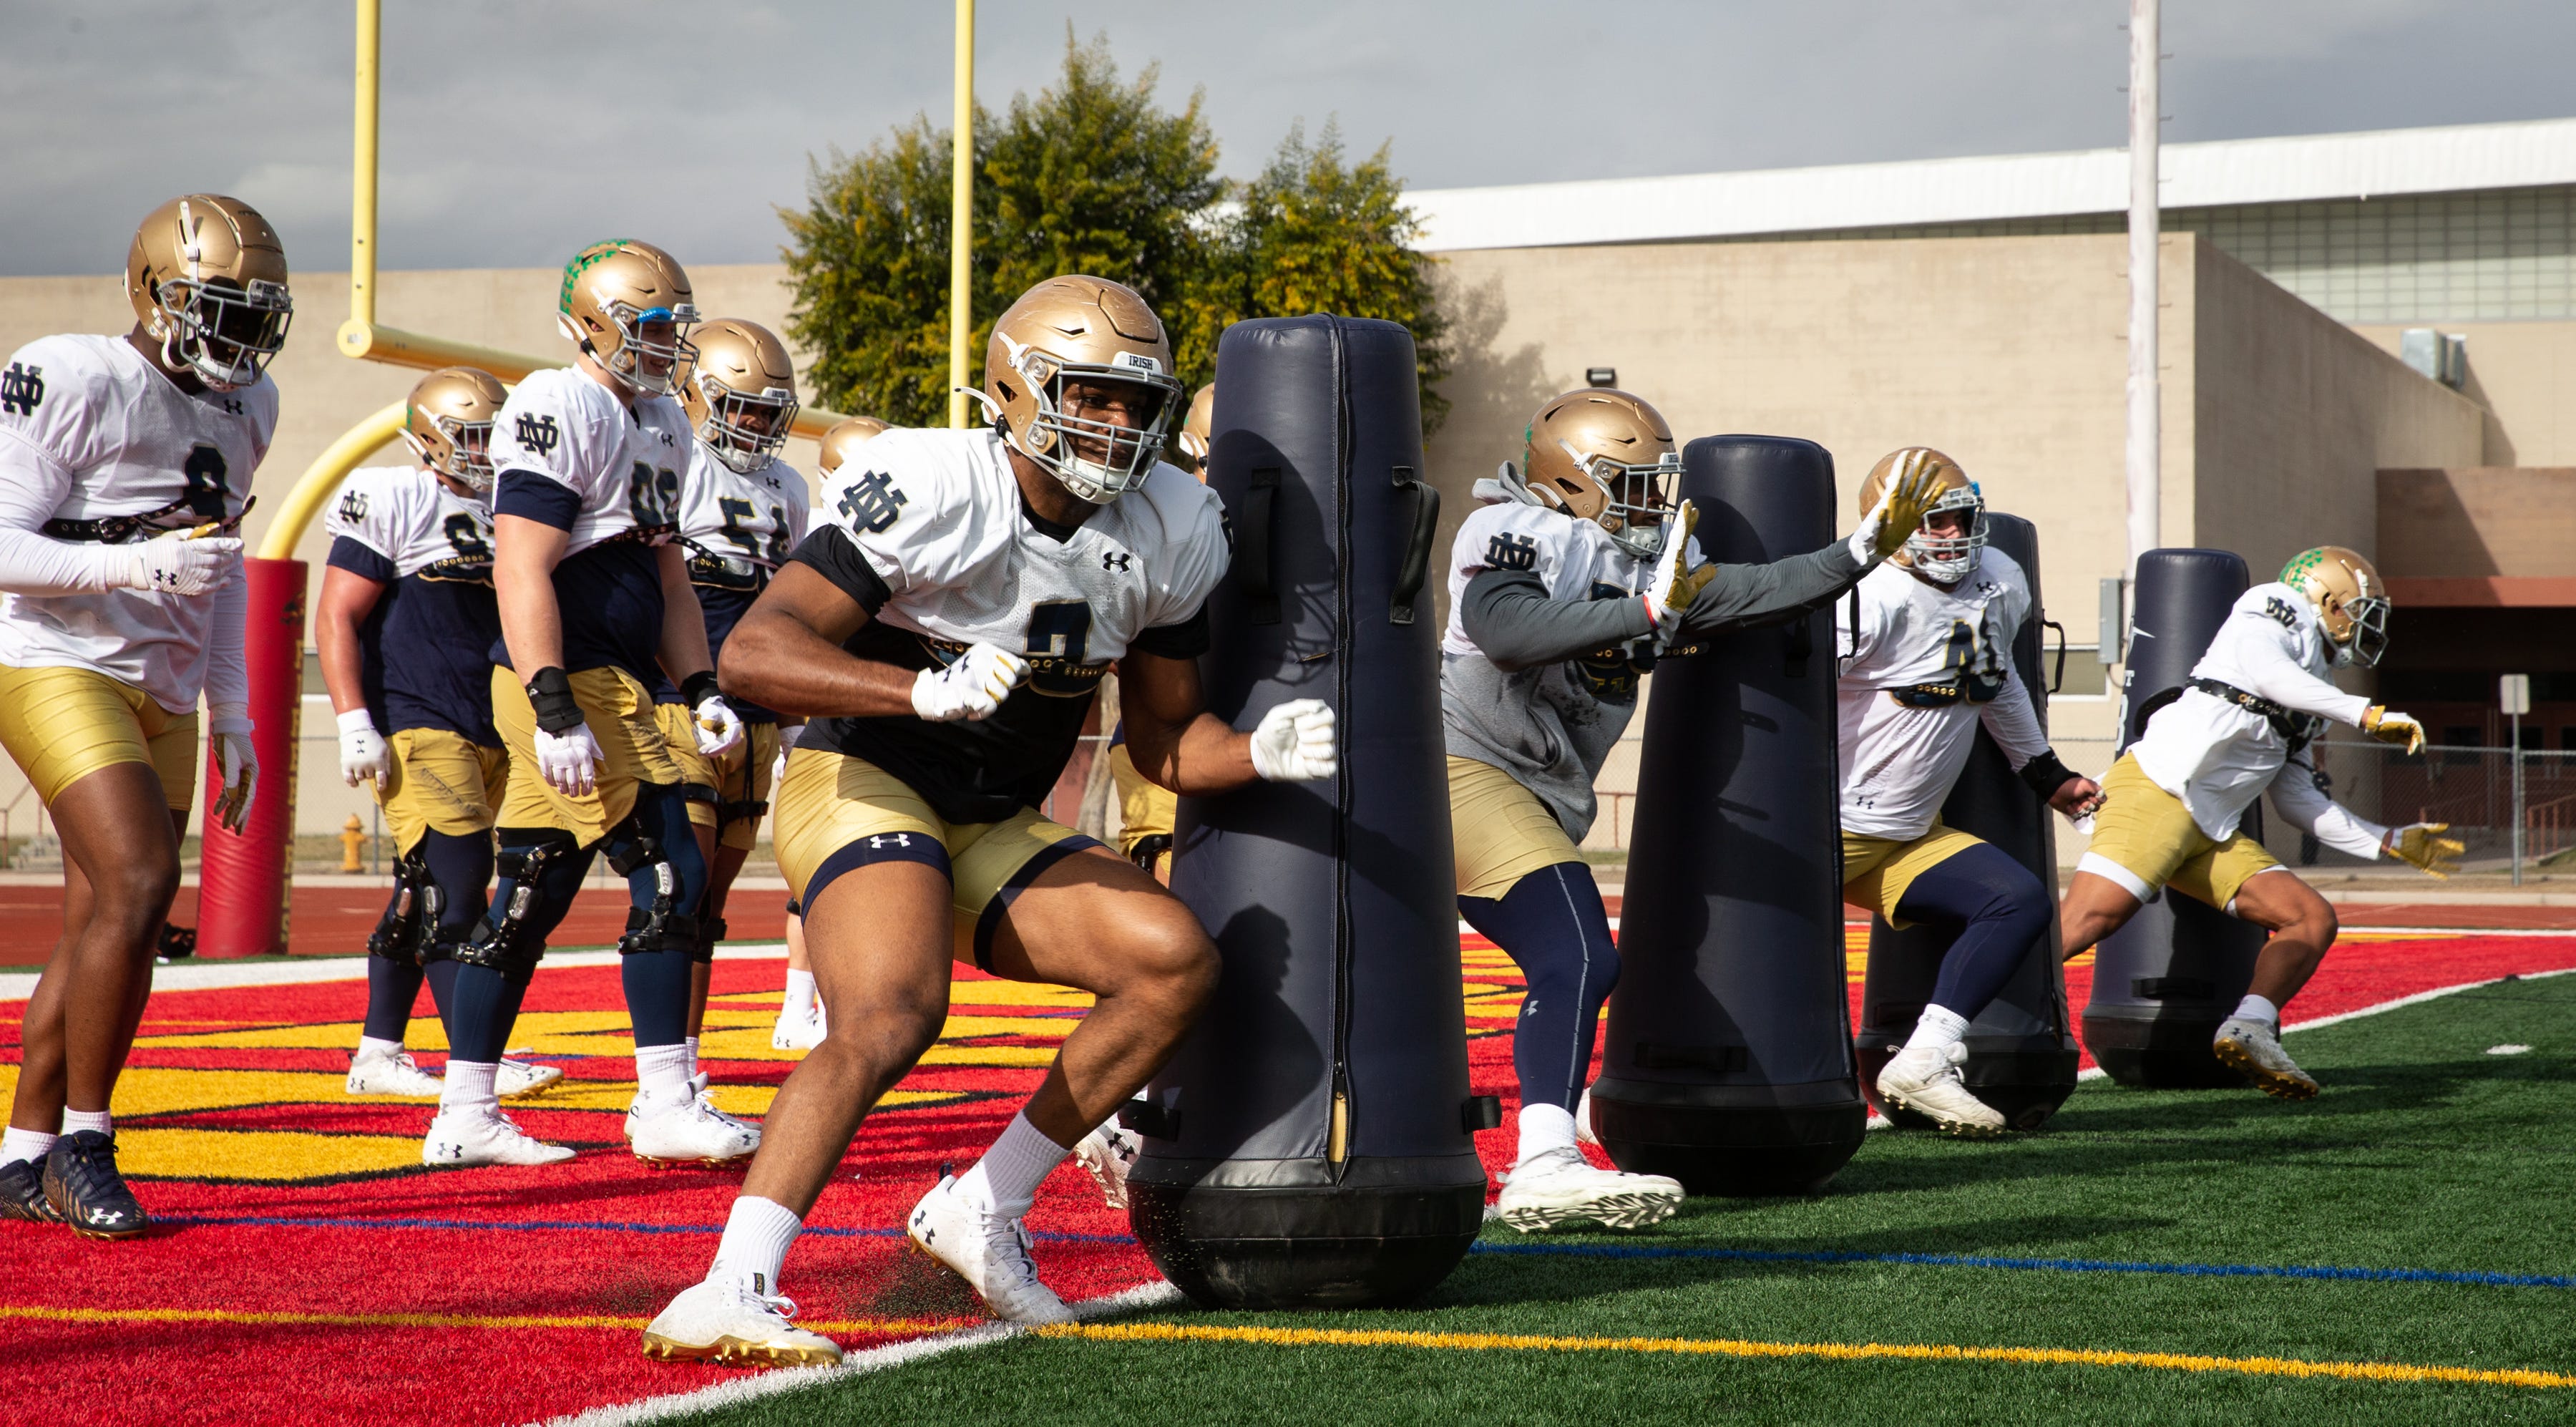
{"x":305,"y":1268}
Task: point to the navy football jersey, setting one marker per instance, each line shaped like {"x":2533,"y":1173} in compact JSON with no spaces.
{"x":432,"y":550}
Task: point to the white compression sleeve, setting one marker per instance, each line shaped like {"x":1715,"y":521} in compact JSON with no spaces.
{"x":32,"y":485}
{"x":2306,"y":807}
{"x":227,"y":674}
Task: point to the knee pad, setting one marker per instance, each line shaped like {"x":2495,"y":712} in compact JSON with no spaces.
{"x":1149,"y":848}
{"x":661,"y":926}
{"x":501,"y":941}
{"x":413,"y":909}
{"x":711,"y":930}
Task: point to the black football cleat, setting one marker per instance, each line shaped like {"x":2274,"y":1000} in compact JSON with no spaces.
{"x":84,"y":1188}
{"x":22,"y":1193}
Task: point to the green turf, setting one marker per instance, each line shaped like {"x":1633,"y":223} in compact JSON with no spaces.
{"x":2424,"y":1152}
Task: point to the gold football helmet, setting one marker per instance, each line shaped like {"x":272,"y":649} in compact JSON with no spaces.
{"x":207,"y":277}
{"x":845,"y":438}
{"x":447,"y":422}
{"x":1089,"y":333}
{"x":738,"y":386}
{"x":1948,"y":556}
{"x":1190,"y":448}
{"x":614,"y":294}
{"x":1602,"y":455}
{"x":2351,"y":601}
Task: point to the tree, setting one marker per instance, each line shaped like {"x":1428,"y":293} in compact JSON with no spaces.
{"x":1091,"y":175}
{"x":1314,"y":234}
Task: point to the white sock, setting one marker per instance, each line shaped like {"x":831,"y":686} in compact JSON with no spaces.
{"x":29,"y":1145}
{"x":662,"y":1073}
{"x":375,"y":1048}
{"x":1006,"y":1179}
{"x":1544,"y":1128}
{"x":469,"y":1083}
{"x":75,"y":1121}
{"x":800,"y":996}
{"x":1937,"y":1029}
{"x":756,"y":1237}
{"x":692,"y":1044}
{"x":2255,"y":1008}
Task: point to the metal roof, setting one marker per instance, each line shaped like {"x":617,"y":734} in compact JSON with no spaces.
{"x":1797,"y":200}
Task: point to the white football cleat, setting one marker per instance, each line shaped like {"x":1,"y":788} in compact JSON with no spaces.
{"x":2252,"y":1049}
{"x":1584,"y":1134}
{"x":797,"y":1032}
{"x":524,"y":1077}
{"x":1927,"y":1082}
{"x":395,"y":1074}
{"x":481,"y":1134}
{"x":988,"y":1251}
{"x":735,"y":1321}
{"x":689,"y":1132}
{"x":1561,"y":1187}
{"x":1109,"y":1152}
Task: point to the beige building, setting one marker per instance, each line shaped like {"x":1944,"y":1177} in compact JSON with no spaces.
{"x":1979,"y":305}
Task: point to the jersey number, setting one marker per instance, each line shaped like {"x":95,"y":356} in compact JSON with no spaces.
{"x":1960,"y":676}
{"x":205,"y":473}
{"x":1059,"y":649}
{"x":737,"y":515}
{"x":465,"y":537}
{"x":653,"y":496}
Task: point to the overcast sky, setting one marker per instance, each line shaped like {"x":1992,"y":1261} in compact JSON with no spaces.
{"x":517,"y":130}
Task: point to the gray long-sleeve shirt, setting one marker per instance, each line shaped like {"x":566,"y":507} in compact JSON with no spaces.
{"x":1547,"y":640}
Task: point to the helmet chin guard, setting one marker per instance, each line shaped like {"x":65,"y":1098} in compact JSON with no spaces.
{"x":1087,"y":330}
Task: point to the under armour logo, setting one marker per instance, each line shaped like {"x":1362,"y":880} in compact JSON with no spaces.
{"x":233,"y":407}
{"x":665,"y":435}
{"x":1115,"y":560}
{"x":1507,"y":551}
{"x":539,"y":434}
{"x":353,"y":506}
{"x":872,"y":503}
{"x":21,"y":388}
{"x":901,"y":839}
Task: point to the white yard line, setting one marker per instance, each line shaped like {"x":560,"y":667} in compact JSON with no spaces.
{"x":1157,"y":1294}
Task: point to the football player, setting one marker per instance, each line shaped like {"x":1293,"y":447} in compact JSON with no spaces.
{"x":1562,"y":590}
{"x":410,"y":570}
{"x":595,"y":605}
{"x":946,"y":627}
{"x":800,"y":1012}
{"x":741,"y":511}
{"x":1925,"y":648}
{"x":2256,"y":702}
{"x":125,"y":466}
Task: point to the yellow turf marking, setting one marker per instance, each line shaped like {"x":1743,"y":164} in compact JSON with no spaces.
{"x":265,"y":1317}
{"x":259,"y":1154}
{"x":1740,"y":1348}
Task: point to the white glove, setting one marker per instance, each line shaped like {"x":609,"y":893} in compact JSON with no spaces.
{"x":972,"y":686}
{"x":1680,"y":573}
{"x":568,"y":760}
{"x":1294,"y":743}
{"x":179,"y":563}
{"x":363,"y":754}
{"x":718,"y":727}
{"x":230,"y":726}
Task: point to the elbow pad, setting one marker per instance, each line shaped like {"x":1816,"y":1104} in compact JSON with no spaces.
{"x":2045,"y":773}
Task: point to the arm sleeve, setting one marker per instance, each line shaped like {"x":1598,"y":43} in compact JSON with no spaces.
{"x":1518,"y":625}
{"x":2276,"y":675}
{"x":227,"y":676}
{"x":32,"y":485}
{"x":2305,"y":806}
{"x":1742,"y":595}
{"x":2010,"y":717}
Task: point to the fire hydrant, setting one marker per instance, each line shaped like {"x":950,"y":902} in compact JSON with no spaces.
{"x":352,"y":842}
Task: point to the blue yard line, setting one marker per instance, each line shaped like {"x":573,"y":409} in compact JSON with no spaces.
{"x":595,"y":1226}
{"x":2186,"y":1270}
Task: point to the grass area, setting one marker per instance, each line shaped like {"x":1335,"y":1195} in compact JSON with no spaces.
{"x":2425,"y":1152}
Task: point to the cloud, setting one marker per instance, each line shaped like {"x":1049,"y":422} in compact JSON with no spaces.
{"x":513,"y":133}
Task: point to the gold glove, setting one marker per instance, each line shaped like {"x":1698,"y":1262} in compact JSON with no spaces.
{"x":1914,"y":486}
{"x":1676,"y":582}
{"x":2422,"y":845}
{"x":2388,"y":727}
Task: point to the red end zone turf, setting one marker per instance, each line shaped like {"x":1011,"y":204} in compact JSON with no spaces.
{"x":307,"y":1268}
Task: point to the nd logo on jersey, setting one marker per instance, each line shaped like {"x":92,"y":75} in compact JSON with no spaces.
{"x":22,"y":389}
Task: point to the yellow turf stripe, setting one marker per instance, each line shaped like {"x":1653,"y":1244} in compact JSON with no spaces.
{"x":1739,"y":1348}
{"x":266,"y":1317}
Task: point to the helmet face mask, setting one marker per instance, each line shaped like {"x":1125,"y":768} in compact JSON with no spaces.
{"x":207,"y":280}
{"x":1636,"y":498}
{"x":448,"y":425}
{"x":738,"y":388}
{"x":1949,"y":552}
{"x":627,"y":304}
{"x":1606,"y":456}
{"x":2350,"y":599}
{"x":1079,"y":378}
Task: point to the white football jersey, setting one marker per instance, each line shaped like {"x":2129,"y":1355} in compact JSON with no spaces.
{"x":739,"y":528}
{"x":2217,"y":755}
{"x":953,"y":556}
{"x":623,"y":463}
{"x":1921,"y":667}
{"x":91,"y":417}
{"x":411,"y":518}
